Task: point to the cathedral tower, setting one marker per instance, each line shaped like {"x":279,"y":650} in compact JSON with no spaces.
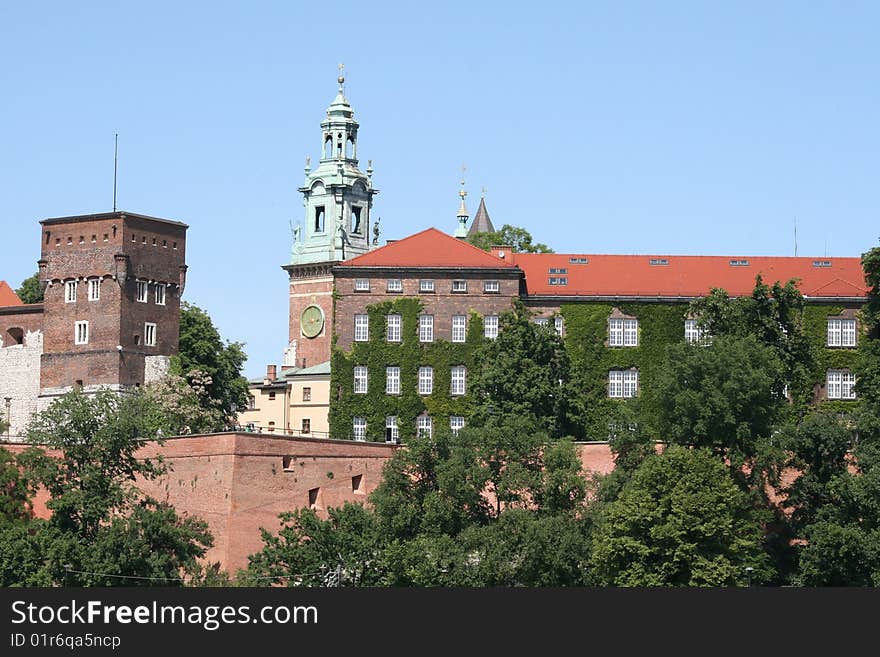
{"x":337,"y":199}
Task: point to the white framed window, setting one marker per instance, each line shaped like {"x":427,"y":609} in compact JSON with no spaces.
{"x":395,"y":285}
{"x":149,"y":334}
{"x":360,"y":379}
{"x":142,"y":291}
{"x":94,"y":289}
{"x":491,"y":287}
{"x":459,"y":286}
{"x":542,"y":321}
{"x":424,"y":426}
{"x":459,"y":377}
{"x":160,"y":295}
{"x":81,"y":333}
{"x":392,"y":435}
{"x":361,"y":328}
{"x":392,"y":328}
{"x":839,"y":384}
{"x":623,"y":384}
{"x":693,"y":333}
{"x":362,"y":285}
{"x":841,"y":332}
{"x":459,"y":328}
{"x":559,"y":325}
{"x":426,"y":380}
{"x":359,"y":426}
{"x":70,"y":292}
{"x":426,"y":286}
{"x":490,"y":326}
{"x":426,"y":328}
{"x":623,"y":332}
{"x":392,"y":380}
{"x":456,"y":423}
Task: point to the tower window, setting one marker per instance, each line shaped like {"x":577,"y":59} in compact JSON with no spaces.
{"x":142,"y":291}
{"x":94,"y":289}
{"x":149,"y":334}
{"x":81,"y":333}
{"x":319,"y":219}
{"x":355,"y":219}
{"x":160,"y":295}
{"x":328,"y":147}
{"x":70,"y":292}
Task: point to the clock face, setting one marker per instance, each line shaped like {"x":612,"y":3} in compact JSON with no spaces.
{"x":311,"y":321}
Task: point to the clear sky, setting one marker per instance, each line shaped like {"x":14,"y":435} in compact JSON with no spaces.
{"x":601,"y":127}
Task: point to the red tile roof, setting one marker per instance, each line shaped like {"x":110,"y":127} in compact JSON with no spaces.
{"x":7,"y":296}
{"x":687,"y":276}
{"x":429,"y":248}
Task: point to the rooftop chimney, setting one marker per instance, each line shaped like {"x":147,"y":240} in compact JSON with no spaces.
{"x":270,"y":372}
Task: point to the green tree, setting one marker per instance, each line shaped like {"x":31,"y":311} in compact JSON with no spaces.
{"x":519,"y":239}
{"x":524,"y":372}
{"x":679,"y":521}
{"x":723,"y":397}
{"x":774,"y":316}
{"x":31,"y":291}
{"x":15,"y":491}
{"x":101,"y":525}
{"x":343,"y":550}
{"x":206,"y":360}
{"x":871,"y":267}
{"x":434,"y":486}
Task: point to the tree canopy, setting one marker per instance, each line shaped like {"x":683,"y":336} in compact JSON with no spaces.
{"x":207,"y":362}
{"x":519,"y":239}
{"x":31,"y":291}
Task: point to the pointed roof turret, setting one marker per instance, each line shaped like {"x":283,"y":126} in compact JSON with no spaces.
{"x":482,"y":223}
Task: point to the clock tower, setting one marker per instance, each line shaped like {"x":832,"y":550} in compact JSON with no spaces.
{"x":337,"y":202}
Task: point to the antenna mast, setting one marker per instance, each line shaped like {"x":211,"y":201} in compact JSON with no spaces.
{"x":115,"y":157}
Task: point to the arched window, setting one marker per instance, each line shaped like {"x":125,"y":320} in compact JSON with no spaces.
{"x":349,"y":147}
{"x":328,"y":147}
{"x":14,"y":336}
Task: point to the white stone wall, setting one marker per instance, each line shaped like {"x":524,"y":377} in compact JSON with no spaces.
{"x":155,"y":368}
{"x":20,"y":380}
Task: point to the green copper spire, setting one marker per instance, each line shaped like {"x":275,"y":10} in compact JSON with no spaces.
{"x":337,"y":195}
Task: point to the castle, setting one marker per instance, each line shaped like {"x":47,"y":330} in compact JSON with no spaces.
{"x":380,"y":337}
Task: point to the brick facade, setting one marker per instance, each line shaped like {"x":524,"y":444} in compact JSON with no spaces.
{"x":121,"y":251}
{"x":310,"y":285}
{"x":442,"y":303}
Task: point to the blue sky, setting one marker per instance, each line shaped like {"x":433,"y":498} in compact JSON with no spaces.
{"x":613,"y":127}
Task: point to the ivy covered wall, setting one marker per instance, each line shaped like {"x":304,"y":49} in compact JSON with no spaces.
{"x":409,"y":354}
{"x":661,"y":324}
{"x":586,"y":339}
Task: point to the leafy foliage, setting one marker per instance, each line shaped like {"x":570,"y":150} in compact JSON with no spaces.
{"x":519,"y":239}
{"x":523,"y":372}
{"x":207,"y":362}
{"x":31,"y":291}
{"x":679,"y":521}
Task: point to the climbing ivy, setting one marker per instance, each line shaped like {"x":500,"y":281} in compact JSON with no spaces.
{"x":409,"y":354}
{"x":661,"y":324}
{"x":586,"y":339}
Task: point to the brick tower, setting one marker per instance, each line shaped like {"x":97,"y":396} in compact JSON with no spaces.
{"x":338,"y":198}
{"x":113,"y":283}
